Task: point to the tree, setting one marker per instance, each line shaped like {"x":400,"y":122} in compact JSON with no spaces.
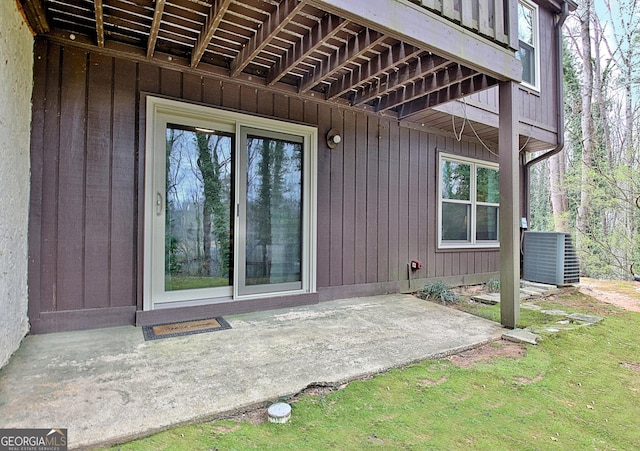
{"x":557,"y":194}
{"x":584,"y":210}
{"x":215,"y":213}
{"x":171,"y":244}
{"x":596,"y":183}
{"x":627,"y":26}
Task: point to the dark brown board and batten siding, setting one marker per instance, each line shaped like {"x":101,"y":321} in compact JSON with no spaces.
{"x":540,"y":108}
{"x":376,"y":191}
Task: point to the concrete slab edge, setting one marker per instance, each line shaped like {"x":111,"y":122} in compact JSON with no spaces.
{"x":287,"y":396}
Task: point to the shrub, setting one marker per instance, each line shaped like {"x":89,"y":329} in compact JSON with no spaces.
{"x":493,"y":285}
{"x":438,"y":291}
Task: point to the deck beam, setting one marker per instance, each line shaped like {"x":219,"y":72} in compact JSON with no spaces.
{"x":422,"y":28}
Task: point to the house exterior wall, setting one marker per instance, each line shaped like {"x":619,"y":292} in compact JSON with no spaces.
{"x":16,"y":76}
{"x":376,"y":190}
{"x":539,"y":109}
{"x":538,"y":113}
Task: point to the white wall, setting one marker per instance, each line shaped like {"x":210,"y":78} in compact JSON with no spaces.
{"x":16,"y":80}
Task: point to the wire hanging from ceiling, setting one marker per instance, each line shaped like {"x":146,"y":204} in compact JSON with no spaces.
{"x":466,"y":120}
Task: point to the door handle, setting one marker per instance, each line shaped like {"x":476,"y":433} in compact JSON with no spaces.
{"x":158,"y":204}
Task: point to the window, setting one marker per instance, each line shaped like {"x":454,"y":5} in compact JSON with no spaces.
{"x":528,"y":37}
{"x":469,"y":202}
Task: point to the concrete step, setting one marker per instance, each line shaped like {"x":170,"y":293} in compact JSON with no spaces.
{"x":521,"y":336}
{"x":490,"y":299}
{"x":527,"y":290}
{"x":532,"y":291}
{"x":546,"y":289}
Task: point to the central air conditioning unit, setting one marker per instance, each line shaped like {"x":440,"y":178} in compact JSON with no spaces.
{"x":550,"y":257}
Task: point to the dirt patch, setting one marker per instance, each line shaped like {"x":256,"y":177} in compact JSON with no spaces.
{"x":573,"y":298}
{"x":321,"y":389}
{"x":623,"y":294}
{"x":632,"y":366}
{"x":471,"y":290}
{"x":225,"y":429}
{"x":431,"y":382}
{"x":256,"y":416}
{"x":488,"y":352}
{"x":526,"y":380}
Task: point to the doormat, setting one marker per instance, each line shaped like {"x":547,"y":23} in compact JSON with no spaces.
{"x":184,"y":328}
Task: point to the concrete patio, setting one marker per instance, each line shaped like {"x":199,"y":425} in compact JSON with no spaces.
{"x":107,"y":386}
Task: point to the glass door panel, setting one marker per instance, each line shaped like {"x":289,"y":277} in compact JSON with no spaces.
{"x":198,"y":220}
{"x":272,"y":193}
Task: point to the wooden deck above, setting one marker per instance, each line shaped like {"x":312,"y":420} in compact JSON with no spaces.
{"x":394,"y":57}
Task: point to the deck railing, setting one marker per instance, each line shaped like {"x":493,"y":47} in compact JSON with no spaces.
{"x":494,"y":19}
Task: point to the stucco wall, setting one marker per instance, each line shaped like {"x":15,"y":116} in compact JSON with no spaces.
{"x":16,"y":79}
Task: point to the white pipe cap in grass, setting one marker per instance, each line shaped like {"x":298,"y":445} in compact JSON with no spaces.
{"x":279,"y":412}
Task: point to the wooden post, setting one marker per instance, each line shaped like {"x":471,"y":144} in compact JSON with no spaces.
{"x":509,"y":206}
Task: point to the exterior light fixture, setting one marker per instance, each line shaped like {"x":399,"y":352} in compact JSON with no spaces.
{"x":333,"y":138}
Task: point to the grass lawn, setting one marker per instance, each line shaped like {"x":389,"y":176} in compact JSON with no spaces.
{"x":577,"y":389}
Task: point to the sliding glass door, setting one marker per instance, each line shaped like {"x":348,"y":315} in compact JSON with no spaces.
{"x":229,"y":207}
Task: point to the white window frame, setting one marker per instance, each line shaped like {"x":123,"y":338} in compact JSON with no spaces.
{"x":159,"y":112}
{"x":472,"y":242}
{"x":536,"y":43}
